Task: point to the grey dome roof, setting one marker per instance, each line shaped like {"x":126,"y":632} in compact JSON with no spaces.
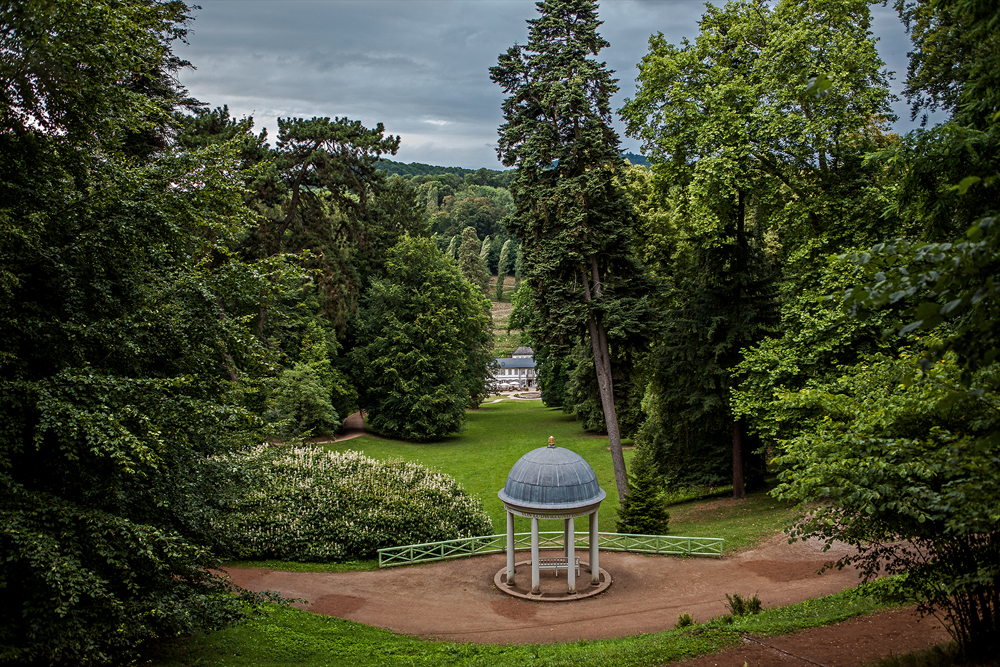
{"x":551,"y":478}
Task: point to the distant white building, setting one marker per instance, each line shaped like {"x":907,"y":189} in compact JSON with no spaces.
{"x":516,"y":371}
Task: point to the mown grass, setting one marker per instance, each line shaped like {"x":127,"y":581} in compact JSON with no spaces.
{"x":742,"y":523}
{"x":496,"y":436}
{"x":286,"y":636}
{"x":295,"y":566}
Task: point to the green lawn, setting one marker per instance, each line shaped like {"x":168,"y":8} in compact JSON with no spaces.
{"x":742,"y":523}
{"x":496,"y":436}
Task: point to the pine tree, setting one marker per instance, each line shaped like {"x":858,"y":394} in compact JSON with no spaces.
{"x":644,"y":511}
{"x":571,"y":216}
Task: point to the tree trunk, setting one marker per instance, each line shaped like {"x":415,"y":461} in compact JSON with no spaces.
{"x":602,"y":365}
{"x":739,"y":490}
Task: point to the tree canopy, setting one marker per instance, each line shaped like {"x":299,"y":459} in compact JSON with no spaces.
{"x":425,"y":345}
{"x":754,"y":167}
{"x":127,"y":358}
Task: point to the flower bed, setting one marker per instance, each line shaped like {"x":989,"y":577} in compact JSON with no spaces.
{"x":312,"y":505}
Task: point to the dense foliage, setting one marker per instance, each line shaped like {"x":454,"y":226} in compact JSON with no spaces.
{"x":300,"y":405}
{"x":754,"y":168}
{"x":899,"y":461}
{"x":127,"y":360}
{"x":897,"y":453}
{"x":424,"y":345}
{"x":471,"y":263}
{"x":308,"y":504}
{"x":724,"y":305}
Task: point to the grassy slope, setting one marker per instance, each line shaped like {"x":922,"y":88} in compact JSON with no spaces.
{"x":742,"y":523}
{"x":496,"y":436}
{"x":506,"y":341}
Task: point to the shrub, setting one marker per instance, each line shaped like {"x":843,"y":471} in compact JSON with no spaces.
{"x":684,"y":620}
{"x":644,"y":510}
{"x":300,"y":404}
{"x":312,"y":505}
{"x":743,"y":606}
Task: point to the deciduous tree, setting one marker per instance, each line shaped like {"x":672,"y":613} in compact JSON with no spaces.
{"x":904,"y":462}
{"x":126,"y":359}
{"x":750,"y":154}
{"x":425,"y":343}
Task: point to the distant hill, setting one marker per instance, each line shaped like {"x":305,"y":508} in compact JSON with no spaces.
{"x":420,"y":169}
{"x":486,"y":175}
{"x":636,"y":159}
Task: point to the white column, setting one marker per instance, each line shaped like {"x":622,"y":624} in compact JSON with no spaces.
{"x":567,"y":536}
{"x":595,"y":566}
{"x":571,"y":557}
{"x":510,"y":549}
{"x":535,"y":581}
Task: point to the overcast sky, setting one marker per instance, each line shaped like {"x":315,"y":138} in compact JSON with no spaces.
{"x":420,"y":67}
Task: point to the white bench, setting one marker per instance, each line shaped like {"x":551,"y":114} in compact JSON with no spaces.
{"x":557,"y":564}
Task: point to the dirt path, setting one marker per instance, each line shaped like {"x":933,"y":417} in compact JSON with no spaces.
{"x":457,"y":601}
{"x":354,"y":427}
{"x":849,"y":644}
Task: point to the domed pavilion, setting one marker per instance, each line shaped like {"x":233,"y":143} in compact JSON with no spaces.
{"x":552,"y":483}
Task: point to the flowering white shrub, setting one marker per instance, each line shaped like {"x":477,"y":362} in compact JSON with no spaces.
{"x":313,"y":505}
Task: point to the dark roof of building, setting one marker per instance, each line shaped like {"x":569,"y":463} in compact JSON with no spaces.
{"x":524,"y":351}
{"x":507,"y":362}
{"x":551,"y":478}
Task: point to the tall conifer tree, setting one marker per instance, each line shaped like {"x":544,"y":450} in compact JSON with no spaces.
{"x":571,"y":216}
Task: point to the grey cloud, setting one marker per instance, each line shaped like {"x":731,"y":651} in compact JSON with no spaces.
{"x":406,"y":62}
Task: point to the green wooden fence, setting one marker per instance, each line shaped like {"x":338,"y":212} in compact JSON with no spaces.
{"x":674,"y":545}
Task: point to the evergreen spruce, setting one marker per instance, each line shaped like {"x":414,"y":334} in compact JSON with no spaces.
{"x":644,"y":511}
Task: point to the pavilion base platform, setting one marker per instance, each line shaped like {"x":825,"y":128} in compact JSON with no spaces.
{"x":553,"y":588}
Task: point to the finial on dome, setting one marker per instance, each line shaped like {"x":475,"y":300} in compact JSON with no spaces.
{"x":552,"y":441}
